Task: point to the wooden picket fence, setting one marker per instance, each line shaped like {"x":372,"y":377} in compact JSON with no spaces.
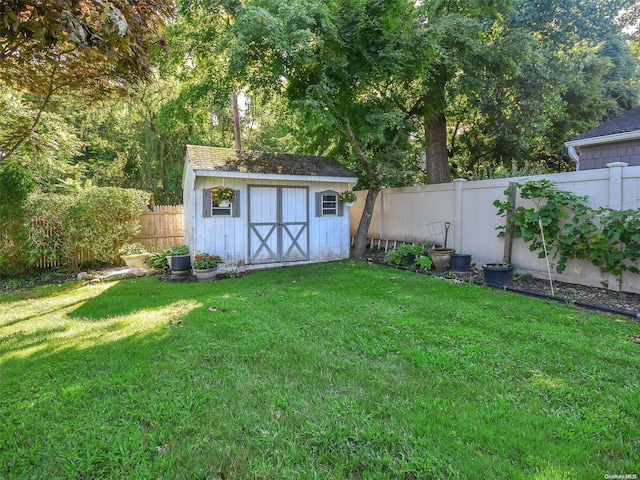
{"x":160,"y":228}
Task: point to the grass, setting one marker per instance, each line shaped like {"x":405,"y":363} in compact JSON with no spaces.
{"x":341,"y":370}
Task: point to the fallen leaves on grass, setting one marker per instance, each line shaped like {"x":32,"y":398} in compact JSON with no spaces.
{"x":162,"y":450}
{"x":223,"y":310}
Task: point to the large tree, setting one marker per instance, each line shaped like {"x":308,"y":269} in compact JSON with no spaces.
{"x":356,"y":67}
{"x":80,"y":47}
{"x":464,"y":34}
{"x":557,"y":70}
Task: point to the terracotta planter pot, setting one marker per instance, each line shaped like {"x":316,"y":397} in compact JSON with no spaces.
{"x":441,"y":258}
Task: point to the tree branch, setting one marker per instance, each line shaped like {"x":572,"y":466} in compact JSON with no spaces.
{"x":43,"y":104}
{"x":360,"y":155}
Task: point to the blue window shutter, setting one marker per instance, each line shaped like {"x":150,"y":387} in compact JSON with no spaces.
{"x":235,"y":205}
{"x":319,"y":204}
{"x":206,"y":202}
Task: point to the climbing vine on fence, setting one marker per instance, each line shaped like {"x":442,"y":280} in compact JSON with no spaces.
{"x":609,"y":239}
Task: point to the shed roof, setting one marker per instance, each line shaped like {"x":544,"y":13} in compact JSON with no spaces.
{"x":619,"y":128}
{"x":229,"y":160}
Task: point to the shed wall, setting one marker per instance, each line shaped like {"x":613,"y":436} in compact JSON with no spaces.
{"x":329,"y":237}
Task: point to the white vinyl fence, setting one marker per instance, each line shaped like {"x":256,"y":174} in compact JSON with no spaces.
{"x":422,"y":213}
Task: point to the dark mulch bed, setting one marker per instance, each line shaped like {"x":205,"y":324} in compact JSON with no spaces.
{"x":629,"y":302}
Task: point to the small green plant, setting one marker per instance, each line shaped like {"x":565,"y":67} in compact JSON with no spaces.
{"x":203,"y":261}
{"x":348,"y":196}
{"x":401,"y":255}
{"x":158,"y":260}
{"x":233,"y":273}
{"x":178,"y":250}
{"x":132,"y":249}
{"x":424,"y":262}
{"x":13,"y":283}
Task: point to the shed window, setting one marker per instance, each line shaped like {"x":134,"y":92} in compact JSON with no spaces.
{"x":328,"y":205}
{"x":217,"y":210}
{"x":212,"y":209}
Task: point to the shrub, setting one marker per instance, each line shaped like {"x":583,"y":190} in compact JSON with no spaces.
{"x":400,"y":255}
{"x":96,"y":219}
{"x":15,"y":185}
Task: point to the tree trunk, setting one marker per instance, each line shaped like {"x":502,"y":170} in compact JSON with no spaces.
{"x":360,"y":243}
{"x":437,"y":154}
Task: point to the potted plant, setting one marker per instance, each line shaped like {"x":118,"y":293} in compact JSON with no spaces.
{"x":179,"y":260}
{"x":133,"y":254}
{"x":460,"y":262}
{"x":348,"y":197}
{"x":205,"y":265}
{"x":498,"y":274}
{"x":223,"y":196}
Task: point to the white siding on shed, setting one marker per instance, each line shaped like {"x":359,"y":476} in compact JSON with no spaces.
{"x":328,"y":237}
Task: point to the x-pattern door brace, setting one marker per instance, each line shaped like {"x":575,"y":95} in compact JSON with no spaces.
{"x":289,"y":222}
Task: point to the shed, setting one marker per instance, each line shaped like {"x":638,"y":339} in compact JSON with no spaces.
{"x":286,"y":207}
{"x":617,"y":140}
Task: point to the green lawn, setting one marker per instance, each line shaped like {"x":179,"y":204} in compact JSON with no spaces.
{"x":341,"y":370}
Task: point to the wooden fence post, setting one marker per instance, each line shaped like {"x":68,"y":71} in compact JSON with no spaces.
{"x":508,"y":233}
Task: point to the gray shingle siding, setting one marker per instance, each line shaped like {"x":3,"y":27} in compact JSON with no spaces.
{"x":597,"y":156}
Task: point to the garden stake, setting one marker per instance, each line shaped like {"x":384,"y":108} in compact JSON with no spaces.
{"x":446,"y":232}
{"x":546,"y":256}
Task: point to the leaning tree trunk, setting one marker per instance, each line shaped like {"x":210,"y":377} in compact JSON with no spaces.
{"x":437,"y":154}
{"x":360,"y":243}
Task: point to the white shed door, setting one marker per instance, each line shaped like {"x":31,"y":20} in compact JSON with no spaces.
{"x":278,"y":224}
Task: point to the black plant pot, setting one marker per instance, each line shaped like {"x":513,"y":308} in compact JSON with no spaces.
{"x":460,"y":262}
{"x":179,"y":263}
{"x":498,"y":274}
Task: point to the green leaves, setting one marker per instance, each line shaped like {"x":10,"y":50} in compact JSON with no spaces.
{"x":573,"y":230}
{"x":96,"y":219}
